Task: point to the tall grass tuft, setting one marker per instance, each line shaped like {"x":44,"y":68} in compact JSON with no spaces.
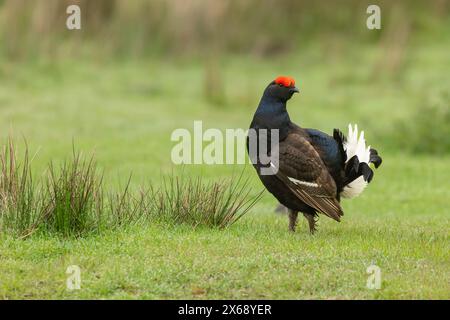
{"x":128,"y":208}
{"x":193,"y":201}
{"x":74,"y":197}
{"x":20,"y":202}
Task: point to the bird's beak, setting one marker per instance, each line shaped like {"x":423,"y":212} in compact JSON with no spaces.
{"x":294,"y":90}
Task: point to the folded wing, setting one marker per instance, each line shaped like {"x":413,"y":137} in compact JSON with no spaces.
{"x":302,"y":170}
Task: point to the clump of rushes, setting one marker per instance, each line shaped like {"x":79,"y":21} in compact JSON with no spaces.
{"x":128,"y":208}
{"x":20,"y":202}
{"x":74,"y":197}
{"x":70,"y":200}
{"x":194,"y":201}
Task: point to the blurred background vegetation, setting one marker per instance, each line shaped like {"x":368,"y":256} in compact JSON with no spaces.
{"x":261,"y":28}
{"x":139,"y":69}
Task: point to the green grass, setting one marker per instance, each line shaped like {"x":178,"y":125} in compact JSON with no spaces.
{"x":126,"y":112}
{"x":399,"y":224}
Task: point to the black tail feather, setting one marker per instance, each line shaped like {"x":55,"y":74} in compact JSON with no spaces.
{"x":375,"y":158}
{"x":340,"y":139}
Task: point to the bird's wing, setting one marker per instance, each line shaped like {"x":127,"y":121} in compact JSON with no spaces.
{"x":302,"y":170}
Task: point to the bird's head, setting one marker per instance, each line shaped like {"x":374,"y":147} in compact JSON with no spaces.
{"x":282,"y":88}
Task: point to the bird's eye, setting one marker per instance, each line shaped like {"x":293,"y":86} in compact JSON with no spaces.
{"x":280,"y":84}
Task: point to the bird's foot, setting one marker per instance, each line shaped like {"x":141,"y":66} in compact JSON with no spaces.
{"x":312,"y":219}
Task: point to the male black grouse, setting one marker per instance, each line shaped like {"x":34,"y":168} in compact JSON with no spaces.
{"x":314,"y":169}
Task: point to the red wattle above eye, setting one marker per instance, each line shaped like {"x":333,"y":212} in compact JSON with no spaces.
{"x":285,"y":81}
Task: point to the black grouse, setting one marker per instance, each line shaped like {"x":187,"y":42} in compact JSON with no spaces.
{"x":307,"y":170}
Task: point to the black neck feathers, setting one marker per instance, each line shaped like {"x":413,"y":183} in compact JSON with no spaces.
{"x":272,"y":114}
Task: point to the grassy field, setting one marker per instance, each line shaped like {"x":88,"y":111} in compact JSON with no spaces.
{"x":125,"y":113}
{"x":398,"y":225}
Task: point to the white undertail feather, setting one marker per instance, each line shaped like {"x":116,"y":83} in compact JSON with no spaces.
{"x":355,"y":145}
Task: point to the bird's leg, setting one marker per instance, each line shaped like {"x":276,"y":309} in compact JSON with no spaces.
{"x":311,"y":221}
{"x":292,"y":220}
{"x":280,"y":208}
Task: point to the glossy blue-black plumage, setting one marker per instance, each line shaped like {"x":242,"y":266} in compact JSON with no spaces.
{"x":271,"y":114}
{"x":331,"y":153}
